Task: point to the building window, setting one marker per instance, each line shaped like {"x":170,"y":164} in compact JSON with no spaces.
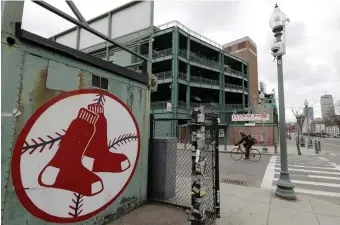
{"x":100,"y":82}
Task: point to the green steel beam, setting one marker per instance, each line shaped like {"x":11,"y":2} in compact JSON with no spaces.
{"x":174,"y":85}
{"x":243,"y":94}
{"x":188,"y":74}
{"x":85,"y":26}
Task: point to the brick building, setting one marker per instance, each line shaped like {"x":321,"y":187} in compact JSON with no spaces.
{"x":246,"y":49}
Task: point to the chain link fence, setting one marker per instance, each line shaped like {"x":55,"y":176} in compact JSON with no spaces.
{"x":170,"y":165}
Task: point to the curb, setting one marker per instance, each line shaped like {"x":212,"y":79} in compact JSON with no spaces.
{"x":295,"y":154}
{"x":255,"y":153}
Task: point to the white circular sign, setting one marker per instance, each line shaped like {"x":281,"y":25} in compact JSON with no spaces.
{"x":75,"y":156}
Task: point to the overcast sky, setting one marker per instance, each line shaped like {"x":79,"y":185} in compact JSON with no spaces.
{"x":311,"y":65}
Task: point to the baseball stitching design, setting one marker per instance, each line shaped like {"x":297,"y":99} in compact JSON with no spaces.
{"x":77,"y":204}
{"x":121,"y":140}
{"x":100,"y":100}
{"x":41,"y":143}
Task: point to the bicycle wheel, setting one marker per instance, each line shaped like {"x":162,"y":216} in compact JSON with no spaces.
{"x":236,"y":154}
{"x":254,"y":155}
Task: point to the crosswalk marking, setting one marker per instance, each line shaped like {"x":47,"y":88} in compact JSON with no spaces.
{"x":311,"y":175}
{"x":312,"y":183}
{"x":313,"y":192}
{"x":314,"y":171}
{"x":311,"y":167}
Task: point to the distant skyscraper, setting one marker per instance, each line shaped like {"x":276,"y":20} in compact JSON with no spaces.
{"x":327,"y":106}
{"x":310,"y":112}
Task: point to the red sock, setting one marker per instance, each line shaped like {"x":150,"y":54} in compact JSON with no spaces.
{"x":65,"y":170}
{"x":98,"y":153}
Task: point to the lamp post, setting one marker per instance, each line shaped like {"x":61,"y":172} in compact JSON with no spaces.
{"x":277,"y":22}
{"x":264,"y":148}
{"x":310,"y":143}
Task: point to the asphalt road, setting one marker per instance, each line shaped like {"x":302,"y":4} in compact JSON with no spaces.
{"x":243,"y":170}
{"x":317,"y":176}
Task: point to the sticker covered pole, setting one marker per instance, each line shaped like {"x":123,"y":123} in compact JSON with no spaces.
{"x":197,"y":212}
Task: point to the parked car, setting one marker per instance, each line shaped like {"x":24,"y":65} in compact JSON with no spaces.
{"x":336,"y":136}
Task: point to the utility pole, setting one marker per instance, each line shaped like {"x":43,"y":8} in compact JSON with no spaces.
{"x":264,"y":148}
{"x":278,"y":21}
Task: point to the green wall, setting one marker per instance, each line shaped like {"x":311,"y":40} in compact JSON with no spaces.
{"x":32,"y":76}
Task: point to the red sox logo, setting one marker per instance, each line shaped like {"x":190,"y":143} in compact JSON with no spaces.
{"x":75,"y":156}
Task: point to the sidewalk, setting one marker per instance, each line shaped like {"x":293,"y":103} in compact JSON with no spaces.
{"x":291,"y":150}
{"x":254,"y":206}
{"x":244,"y":206}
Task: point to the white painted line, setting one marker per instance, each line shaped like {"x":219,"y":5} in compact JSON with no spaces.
{"x":314,"y":171}
{"x":324,"y":159}
{"x":306,"y":163}
{"x":330,"y":144}
{"x":312,"y":192}
{"x":298,"y":175}
{"x":323,"y":177}
{"x":313,"y":183}
{"x":311,"y":167}
{"x":268,"y":178}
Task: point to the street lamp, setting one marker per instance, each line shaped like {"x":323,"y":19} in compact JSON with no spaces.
{"x":264,"y":148}
{"x":310,"y":143}
{"x":277,"y":22}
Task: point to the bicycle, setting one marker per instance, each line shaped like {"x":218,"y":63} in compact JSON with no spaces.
{"x":237,"y":153}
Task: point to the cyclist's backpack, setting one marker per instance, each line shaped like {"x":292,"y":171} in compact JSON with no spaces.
{"x":252,"y":140}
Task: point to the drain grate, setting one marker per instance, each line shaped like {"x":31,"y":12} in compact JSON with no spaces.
{"x":234,"y":182}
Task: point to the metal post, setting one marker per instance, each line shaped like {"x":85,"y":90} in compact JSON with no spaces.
{"x":264,"y":148}
{"x":284,"y":186}
{"x":316,"y":147}
{"x":310,"y":142}
{"x":197,"y":212}
{"x":217,"y":168}
{"x":275,"y":148}
{"x":319,"y":146}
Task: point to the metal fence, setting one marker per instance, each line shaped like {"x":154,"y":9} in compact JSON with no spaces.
{"x":202,"y":80}
{"x":163,"y":75}
{"x":233,"y":86}
{"x":207,"y":106}
{"x":170,"y":165}
{"x":233,"y":106}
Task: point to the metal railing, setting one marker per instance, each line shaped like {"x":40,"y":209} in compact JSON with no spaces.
{"x":190,"y":32}
{"x":183,"y":53}
{"x":182,"y":105}
{"x":160,"y":53}
{"x":163,"y":75}
{"x":236,"y":72}
{"x":202,"y":80}
{"x":182,"y":76}
{"x":162,"y":104}
{"x":159,"y":104}
{"x":233,"y":106}
{"x":233,"y":86}
{"x":201,"y":59}
{"x":206,"y":105}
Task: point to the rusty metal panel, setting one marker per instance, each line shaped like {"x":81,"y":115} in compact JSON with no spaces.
{"x":11,"y":75}
{"x":62,"y":77}
{"x":41,"y":82}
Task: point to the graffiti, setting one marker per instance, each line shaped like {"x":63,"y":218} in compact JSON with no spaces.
{"x":75,"y":156}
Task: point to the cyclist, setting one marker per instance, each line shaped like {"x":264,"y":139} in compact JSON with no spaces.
{"x":248,"y":141}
